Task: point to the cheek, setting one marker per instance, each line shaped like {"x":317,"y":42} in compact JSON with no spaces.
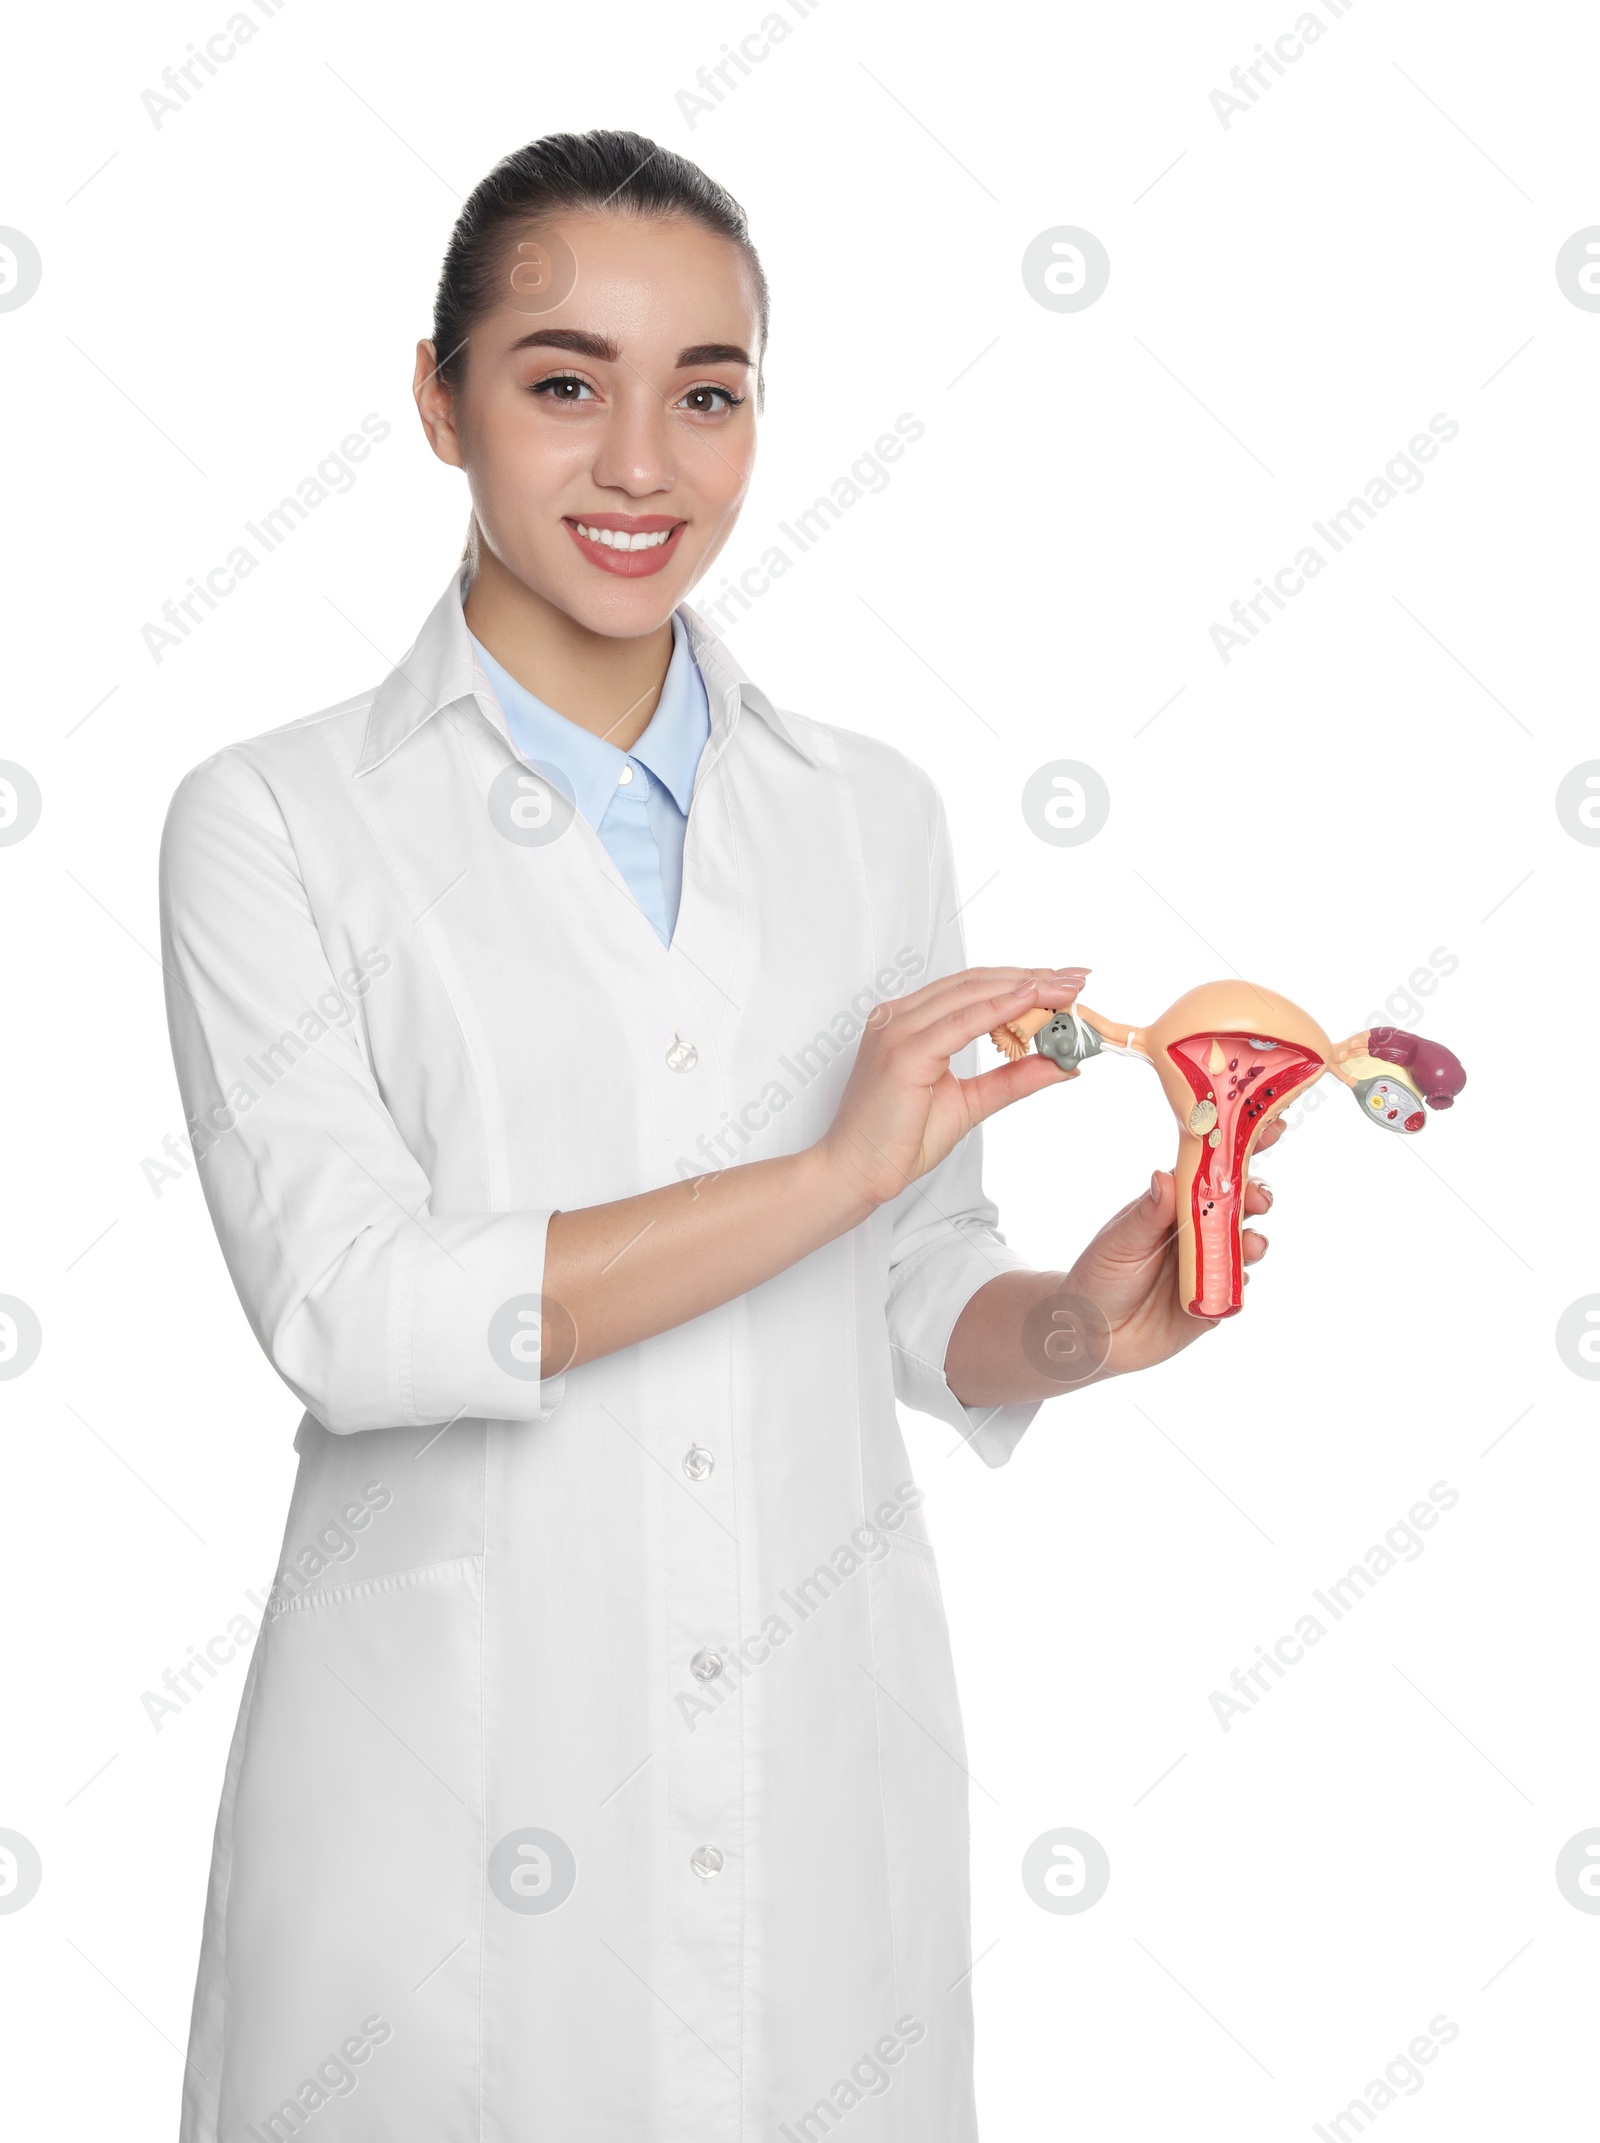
{"x":523,"y":475}
{"x":522,"y":460}
{"x":715,"y":475}
{"x":721,"y":466}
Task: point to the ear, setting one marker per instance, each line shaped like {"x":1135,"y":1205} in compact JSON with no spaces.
{"x":436,"y":406}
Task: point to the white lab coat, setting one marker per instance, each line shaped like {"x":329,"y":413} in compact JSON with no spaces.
{"x":410,"y":1022}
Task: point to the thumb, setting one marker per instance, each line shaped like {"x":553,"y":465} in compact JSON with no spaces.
{"x":1133,"y":1245}
{"x":1141,"y":1232}
{"x":1005,"y":1083}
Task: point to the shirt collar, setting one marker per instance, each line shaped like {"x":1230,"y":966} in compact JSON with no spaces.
{"x":677,"y":731}
{"x":589,"y":766}
{"x":440,"y":669}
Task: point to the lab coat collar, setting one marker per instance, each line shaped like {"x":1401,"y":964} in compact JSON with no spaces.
{"x":440,"y":670}
{"x":725,"y":676}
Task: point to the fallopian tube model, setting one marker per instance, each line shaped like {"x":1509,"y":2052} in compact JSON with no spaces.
{"x":1230,"y":1057}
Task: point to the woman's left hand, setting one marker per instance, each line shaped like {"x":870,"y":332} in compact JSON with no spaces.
{"x":1130,"y":1271}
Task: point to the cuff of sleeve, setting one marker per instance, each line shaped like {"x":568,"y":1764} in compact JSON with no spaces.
{"x":931,"y":1292}
{"x":471,"y":1339}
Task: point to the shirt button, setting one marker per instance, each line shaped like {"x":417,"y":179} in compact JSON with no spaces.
{"x":682,"y":1056}
{"x":626,"y":775}
{"x":698,"y":1462}
{"x":706,"y":1665}
{"x":706,"y":1861}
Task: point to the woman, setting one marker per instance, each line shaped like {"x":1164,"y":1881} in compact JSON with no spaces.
{"x":567,"y":1034}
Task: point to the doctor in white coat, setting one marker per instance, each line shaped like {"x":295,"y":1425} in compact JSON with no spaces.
{"x":579,"y":1052}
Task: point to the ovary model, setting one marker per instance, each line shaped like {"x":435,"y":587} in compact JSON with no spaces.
{"x":1230,"y":1057}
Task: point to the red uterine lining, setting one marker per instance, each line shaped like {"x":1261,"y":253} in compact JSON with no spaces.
{"x":1240,"y":1092}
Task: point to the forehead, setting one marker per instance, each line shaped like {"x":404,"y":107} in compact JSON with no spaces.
{"x":642,"y":280}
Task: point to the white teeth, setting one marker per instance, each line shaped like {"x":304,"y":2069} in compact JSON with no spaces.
{"x":618,"y":539}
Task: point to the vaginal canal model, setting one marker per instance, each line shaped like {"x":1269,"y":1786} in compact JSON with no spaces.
{"x":1231,"y":1056}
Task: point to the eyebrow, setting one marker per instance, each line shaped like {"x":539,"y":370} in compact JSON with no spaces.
{"x":578,"y":342}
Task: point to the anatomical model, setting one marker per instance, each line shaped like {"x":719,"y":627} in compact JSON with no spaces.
{"x":1230,"y":1057}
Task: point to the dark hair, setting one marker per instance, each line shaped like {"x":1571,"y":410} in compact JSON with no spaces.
{"x":598,"y":170}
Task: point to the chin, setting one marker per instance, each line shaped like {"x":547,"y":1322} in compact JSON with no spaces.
{"x":621,"y":607}
{"x":625,"y":612}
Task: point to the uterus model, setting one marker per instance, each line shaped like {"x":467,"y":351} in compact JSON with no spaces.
{"x":1231,"y":1056}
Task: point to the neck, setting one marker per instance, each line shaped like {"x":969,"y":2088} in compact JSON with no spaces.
{"x":607,"y":686}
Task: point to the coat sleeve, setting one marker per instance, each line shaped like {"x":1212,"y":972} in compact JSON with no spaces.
{"x":945,"y":1243}
{"x":374,"y":1310}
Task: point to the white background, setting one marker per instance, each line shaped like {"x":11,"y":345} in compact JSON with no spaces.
{"x":1292,"y":297}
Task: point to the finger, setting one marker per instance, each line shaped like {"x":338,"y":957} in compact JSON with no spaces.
{"x":1257,"y":1196}
{"x":1271,"y":1135}
{"x":977,"y":1006}
{"x":970,"y":985}
{"x":917,"y":1006}
{"x":1255,"y":1247}
{"x":971,"y":1004}
{"x":966,"y":979}
{"x":997,"y":1089}
{"x":951,"y":1029}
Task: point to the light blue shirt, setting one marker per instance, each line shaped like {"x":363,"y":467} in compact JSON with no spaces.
{"x":636,"y":801}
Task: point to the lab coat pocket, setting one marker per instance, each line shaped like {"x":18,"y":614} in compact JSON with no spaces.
{"x":355,"y":1891}
{"x":386,"y":1502}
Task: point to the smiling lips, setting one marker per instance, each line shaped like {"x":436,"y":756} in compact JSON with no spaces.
{"x":628,"y":544}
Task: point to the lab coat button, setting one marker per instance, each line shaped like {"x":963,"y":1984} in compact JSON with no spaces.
{"x":698,"y":1462}
{"x":626,"y":775}
{"x":681,"y":1055}
{"x":706,"y":1665}
{"x":706,"y":1861}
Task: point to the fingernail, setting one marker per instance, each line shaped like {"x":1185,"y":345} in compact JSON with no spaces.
{"x":1263,"y":1187}
{"x":1154,"y":1193}
{"x":1265,"y":1242}
{"x":1070,"y":974}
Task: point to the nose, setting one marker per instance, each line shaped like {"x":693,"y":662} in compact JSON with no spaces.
{"x":635,"y":454}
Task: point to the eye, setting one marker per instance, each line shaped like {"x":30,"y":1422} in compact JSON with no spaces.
{"x":700,"y":402}
{"x":563,"y":387}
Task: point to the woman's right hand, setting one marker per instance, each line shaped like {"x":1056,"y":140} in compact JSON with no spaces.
{"x":903,"y":1109}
